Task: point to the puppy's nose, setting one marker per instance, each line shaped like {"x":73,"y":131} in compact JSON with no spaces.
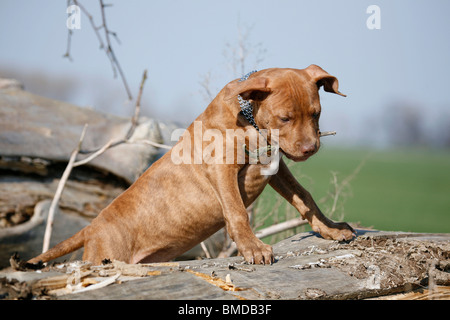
{"x":308,"y":148}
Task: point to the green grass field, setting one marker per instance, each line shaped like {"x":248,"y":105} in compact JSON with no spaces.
{"x":397,"y":190}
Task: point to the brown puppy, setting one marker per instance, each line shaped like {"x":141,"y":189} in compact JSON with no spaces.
{"x":204,"y":184}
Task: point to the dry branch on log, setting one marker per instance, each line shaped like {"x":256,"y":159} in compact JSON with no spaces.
{"x":280,"y":227}
{"x":59,"y":190}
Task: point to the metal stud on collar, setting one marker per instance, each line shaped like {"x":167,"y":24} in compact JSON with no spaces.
{"x":245,"y":77}
{"x":246,"y":105}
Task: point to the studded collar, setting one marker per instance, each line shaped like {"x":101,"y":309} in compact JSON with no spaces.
{"x":247,"y":112}
{"x":246,"y":105}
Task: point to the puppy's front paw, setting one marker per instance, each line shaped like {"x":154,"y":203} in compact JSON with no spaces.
{"x":340,"y":231}
{"x":256,"y":252}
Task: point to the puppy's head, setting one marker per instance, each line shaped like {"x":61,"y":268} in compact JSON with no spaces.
{"x":287,"y":100}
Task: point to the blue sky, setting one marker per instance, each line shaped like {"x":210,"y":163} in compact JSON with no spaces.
{"x":179,"y":42}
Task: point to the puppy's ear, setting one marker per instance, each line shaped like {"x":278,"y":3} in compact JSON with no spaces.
{"x":254,"y":88}
{"x":322,"y":78}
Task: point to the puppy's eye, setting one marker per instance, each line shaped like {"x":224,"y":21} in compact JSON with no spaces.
{"x":284,"y":119}
{"x":316,"y":115}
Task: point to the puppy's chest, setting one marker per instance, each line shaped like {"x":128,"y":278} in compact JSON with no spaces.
{"x":252,"y":180}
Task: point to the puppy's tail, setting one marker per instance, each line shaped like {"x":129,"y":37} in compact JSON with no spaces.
{"x":67,"y":246}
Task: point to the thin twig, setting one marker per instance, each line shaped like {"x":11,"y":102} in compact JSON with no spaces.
{"x":59,"y":190}
{"x":137,"y":108}
{"x":206,"y":84}
{"x":109,"y":51}
{"x":128,"y":136}
{"x":280,"y":227}
{"x":69,"y":39}
{"x":91,"y":21}
{"x":108,"y":48}
{"x":339,"y":187}
{"x":327,"y":133}
{"x":94,"y":155}
{"x":205,"y":250}
{"x":151,"y":143}
{"x":337,"y":192}
{"x":279,"y":201}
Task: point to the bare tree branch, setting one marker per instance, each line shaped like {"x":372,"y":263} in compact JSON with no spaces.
{"x":206,"y":85}
{"x":95,"y":153}
{"x":59,"y":190}
{"x":280,"y":227}
{"x":205,"y":250}
{"x":91,"y":21}
{"x":339,"y":188}
{"x":109,"y":51}
{"x":107,"y":48}
{"x":69,"y":39}
{"x":240,"y":53}
{"x":151,"y":143}
{"x":137,"y":109}
{"x":127,"y":139}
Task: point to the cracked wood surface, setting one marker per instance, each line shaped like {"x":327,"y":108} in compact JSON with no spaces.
{"x":375,"y":264}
